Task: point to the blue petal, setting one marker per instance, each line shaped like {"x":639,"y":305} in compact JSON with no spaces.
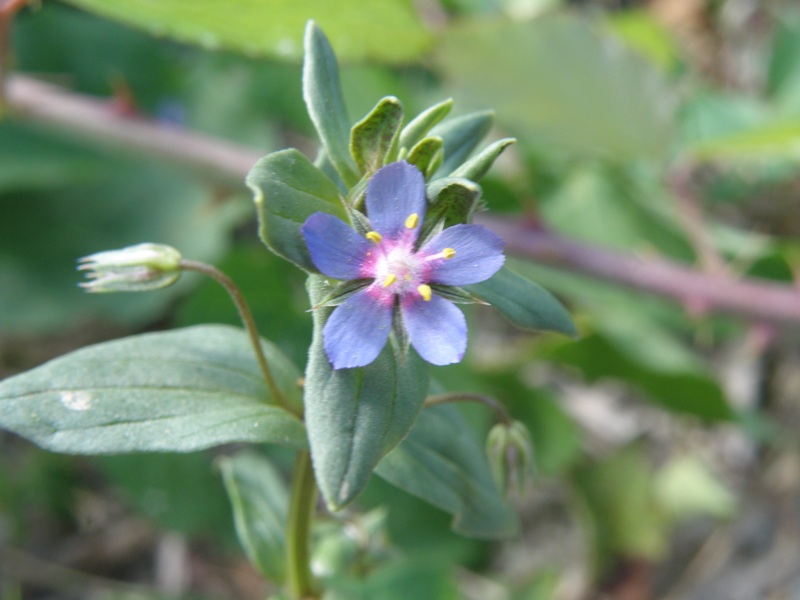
{"x":336,"y":249}
{"x":436,"y":328}
{"x":479,"y":255}
{"x":393,"y":194}
{"x":357,"y":330}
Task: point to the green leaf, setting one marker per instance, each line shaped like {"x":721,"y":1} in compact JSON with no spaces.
{"x":778,"y":139}
{"x":689,"y":392}
{"x":388,"y":30}
{"x":427,"y":155}
{"x":452,"y":200}
{"x":686,"y":488}
{"x":260,"y":503}
{"x":783,"y":72}
{"x":524,"y":303}
{"x":636,"y":211}
{"x":178,"y":391}
{"x":461,"y":136}
{"x":42,"y":233}
{"x":625,"y":518}
{"x":355,"y":416}
{"x":33,"y":161}
{"x":441,"y":462}
{"x":288,"y":189}
{"x":420,"y":125}
{"x":373,"y":139}
{"x":163,"y":487}
{"x":564,"y":79}
{"x":477,"y":166}
{"x":322,"y":92}
{"x":402,"y":578}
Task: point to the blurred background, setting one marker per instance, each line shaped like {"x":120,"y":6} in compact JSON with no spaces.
{"x":667,"y":463}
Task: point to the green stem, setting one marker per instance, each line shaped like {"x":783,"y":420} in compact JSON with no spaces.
{"x":298,"y":531}
{"x":247,"y":320}
{"x":500,"y":411}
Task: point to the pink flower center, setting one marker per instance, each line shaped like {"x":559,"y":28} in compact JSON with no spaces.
{"x":397,"y":269}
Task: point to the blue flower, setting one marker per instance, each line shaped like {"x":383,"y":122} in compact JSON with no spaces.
{"x":398,"y":273}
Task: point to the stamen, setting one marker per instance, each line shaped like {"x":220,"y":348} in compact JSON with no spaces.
{"x":412,"y":221}
{"x":425,"y":292}
{"x":390,"y":279}
{"x":448,"y":253}
{"x":374,"y":236}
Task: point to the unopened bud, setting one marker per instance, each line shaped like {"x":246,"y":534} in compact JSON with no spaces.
{"x":510,"y":453}
{"x":137,"y":268}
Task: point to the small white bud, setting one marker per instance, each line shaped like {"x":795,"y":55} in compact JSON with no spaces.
{"x":137,"y":268}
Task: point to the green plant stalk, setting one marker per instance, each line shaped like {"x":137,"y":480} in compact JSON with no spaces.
{"x":501,"y":412}
{"x":247,"y":320}
{"x":298,"y":531}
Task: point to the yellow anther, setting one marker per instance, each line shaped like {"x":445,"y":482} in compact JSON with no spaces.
{"x":448,"y":252}
{"x":425,"y":292}
{"x":390,"y":279}
{"x":374,"y":236}
{"x":412,"y":221}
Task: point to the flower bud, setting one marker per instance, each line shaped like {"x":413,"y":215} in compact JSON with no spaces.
{"x":137,"y":268}
{"x":510,"y":453}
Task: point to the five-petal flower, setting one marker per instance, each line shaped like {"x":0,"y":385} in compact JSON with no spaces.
{"x":401,"y":273}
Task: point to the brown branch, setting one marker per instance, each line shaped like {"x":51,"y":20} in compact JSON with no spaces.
{"x":700,"y":292}
{"x":757,"y":300}
{"x":97,"y":120}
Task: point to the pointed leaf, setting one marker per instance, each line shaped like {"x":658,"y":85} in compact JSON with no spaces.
{"x":420,"y":125}
{"x":322,"y":93}
{"x":524,"y":303}
{"x":566,"y":80}
{"x":442,"y":462}
{"x":355,"y":416}
{"x":288,"y":189}
{"x":179,"y":391}
{"x":427,"y":155}
{"x":375,"y":136}
{"x":260,"y":504}
{"x":461,"y":136}
{"x":477,"y":166}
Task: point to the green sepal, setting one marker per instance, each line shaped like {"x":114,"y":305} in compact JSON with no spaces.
{"x":176,"y":391}
{"x":461,"y":136}
{"x":442,"y":462}
{"x":355,"y":416}
{"x":427,"y":155}
{"x":524,"y":303}
{"x":373,"y":140}
{"x":423,"y":123}
{"x":322,"y":93}
{"x":455,"y":294}
{"x":260,"y":503}
{"x":288,"y":189}
{"x":342,"y":292}
{"x":453,"y":200}
{"x":477,"y":166}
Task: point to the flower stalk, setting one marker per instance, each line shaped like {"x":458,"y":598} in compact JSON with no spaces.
{"x":298,"y":532}
{"x":501,"y":412}
{"x":248,"y":321}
